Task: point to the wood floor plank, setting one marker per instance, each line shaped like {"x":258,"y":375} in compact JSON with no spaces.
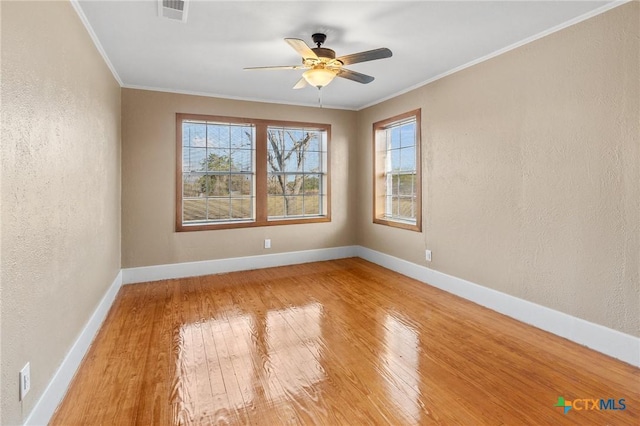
{"x":244,"y":341}
{"x":338,"y":342}
{"x":160,"y":363}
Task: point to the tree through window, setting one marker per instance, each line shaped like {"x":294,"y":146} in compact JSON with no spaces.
{"x":295,"y":171}
{"x":241,"y":172}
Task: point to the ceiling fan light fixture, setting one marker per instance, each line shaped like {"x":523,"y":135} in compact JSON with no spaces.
{"x":319,"y":77}
{"x":322,"y":64}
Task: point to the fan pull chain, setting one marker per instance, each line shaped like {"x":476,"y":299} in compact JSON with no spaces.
{"x":320,"y":96}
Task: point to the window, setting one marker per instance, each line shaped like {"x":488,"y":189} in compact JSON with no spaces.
{"x":397,"y":177}
{"x":295,"y":178}
{"x":236,"y":173}
{"x":218,"y":177}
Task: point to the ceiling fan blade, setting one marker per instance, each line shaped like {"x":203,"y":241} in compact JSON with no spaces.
{"x":280,"y":67}
{"x":300,"y":84}
{"x":369,"y":55}
{"x":355,"y":76}
{"x":302,"y":48}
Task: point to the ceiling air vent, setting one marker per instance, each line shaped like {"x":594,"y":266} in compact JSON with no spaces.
{"x":173,"y":9}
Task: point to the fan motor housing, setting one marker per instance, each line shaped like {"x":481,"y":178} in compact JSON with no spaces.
{"x":323,"y":52}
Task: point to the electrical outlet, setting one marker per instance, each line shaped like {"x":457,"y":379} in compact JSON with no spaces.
{"x":267,"y":243}
{"x":25,"y":381}
{"x":428,"y":255}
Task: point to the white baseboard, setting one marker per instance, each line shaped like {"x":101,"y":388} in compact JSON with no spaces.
{"x":57,"y":387}
{"x":597,"y":337}
{"x":219,"y":266}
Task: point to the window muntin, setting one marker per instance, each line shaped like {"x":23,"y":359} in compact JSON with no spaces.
{"x":243,"y":172}
{"x":296,"y":177}
{"x":397,"y":198}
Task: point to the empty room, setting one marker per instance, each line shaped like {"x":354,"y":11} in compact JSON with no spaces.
{"x":320,"y":212}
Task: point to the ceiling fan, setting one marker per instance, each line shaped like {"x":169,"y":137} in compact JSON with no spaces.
{"x":322,"y":65}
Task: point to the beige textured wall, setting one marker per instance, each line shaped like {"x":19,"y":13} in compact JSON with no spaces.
{"x":532,"y":172}
{"x":148,"y":183}
{"x":1,"y":145}
{"x":60,"y":190}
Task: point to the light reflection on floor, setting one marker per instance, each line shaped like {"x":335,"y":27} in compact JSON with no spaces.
{"x":269,"y":359}
{"x":400,"y":360}
{"x":293,"y":339}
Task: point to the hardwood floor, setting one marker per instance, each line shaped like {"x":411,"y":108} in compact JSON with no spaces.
{"x":339,"y":342}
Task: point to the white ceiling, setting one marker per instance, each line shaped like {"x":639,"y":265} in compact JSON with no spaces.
{"x":206,"y":54}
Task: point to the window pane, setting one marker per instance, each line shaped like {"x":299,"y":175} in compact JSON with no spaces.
{"x":284,"y":161}
{"x":236,"y":136}
{"x":394,"y":137}
{"x":241,"y":208}
{"x":287,"y":149}
{"x":218,"y":160}
{"x":289,"y":161}
{"x":395,"y":206}
{"x":248,"y":138}
{"x":193,"y":135}
{"x":312,"y":161}
{"x":215,"y":185}
{"x":241,"y":160}
{"x":292,"y":164}
{"x":195,"y":210}
{"x":194,"y":159}
{"x":315,"y":141}
{"x":295,"y":184}
{"x":394,"y":184}
{"x":185,"y":160}
{"x":282,"y":184}
{"x":408,"y":135}
{"x":312,"y":184}
{"x":275,"y":139}
{"x":407,"y":184}
{"x":191,"y":186}
{"x":293,"y":205}
{"x":240,"y":185}
{"x":395,"y":160}
{"x":292,"y":137}
{"x":219,"y":208}
{"x":272,"y":162}
{"x":275,"y":206}
{"x":406,"y":207}
{"x":407,"y":159}
{"x":275,"y":185}
{"x":218,"y":136}
{"x":312,"y":205}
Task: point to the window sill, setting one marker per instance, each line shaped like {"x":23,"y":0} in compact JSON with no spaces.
{"x":253,"y":224}
{"x":397,"y":224}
